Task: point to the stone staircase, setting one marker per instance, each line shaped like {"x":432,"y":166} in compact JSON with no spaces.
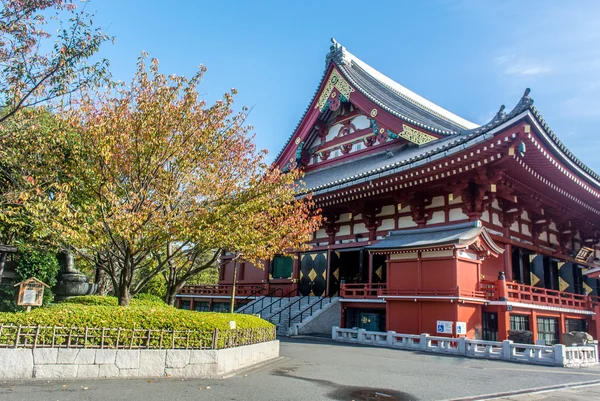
{"x":285,"y":312}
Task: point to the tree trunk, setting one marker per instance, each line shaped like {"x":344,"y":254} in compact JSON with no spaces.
{"x":101,"y":275}
{"x":124,"y":290}
{"x":124,"y":296}
{"x":3,"y":258}
{"x":172,"y":291}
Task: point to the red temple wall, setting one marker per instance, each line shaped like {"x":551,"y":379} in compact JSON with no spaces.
{"x":437,"y":275}
{"x":418,"y":317}
{"x":492,"y":266}
{"x":403,"y":275}
{"x":403,"y":317}
{"x":468,"y":278}
{"x":252,"y":273}
{"x":471,"y":314}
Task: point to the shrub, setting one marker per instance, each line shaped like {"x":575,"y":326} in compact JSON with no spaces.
{"x":146,"y":298}
{"x":92,"y":300}
{"x":195,"y":328}
{"x":138,"y":300}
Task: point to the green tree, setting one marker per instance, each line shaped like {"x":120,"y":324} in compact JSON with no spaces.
{"x":161,"y":173}
{"x":37,"y":66}
{"x":31,"y":262}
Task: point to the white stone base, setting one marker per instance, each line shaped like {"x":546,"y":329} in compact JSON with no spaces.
{"x":88,"y":363}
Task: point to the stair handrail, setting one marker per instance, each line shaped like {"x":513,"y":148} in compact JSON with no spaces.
{"x":262,"y":301}
{"x":270,"y":306}
{"x":289,"y":306}
{"x":311,"y":306}
{"x":252,"y":294}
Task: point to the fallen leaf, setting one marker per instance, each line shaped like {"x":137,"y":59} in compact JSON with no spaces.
{"x":11,"y":389}
{"x":85,"y":388}
{"x":208,"y":387}
{"x":149,"y":381}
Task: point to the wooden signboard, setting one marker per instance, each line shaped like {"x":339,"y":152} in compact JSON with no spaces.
{"x":31,"y":292}
{"x":585,"y":255}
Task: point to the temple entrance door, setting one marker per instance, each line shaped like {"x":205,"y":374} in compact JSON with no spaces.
{"x":350,"y":265}
{"x":313,"y":273}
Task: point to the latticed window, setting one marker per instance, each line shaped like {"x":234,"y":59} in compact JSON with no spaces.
{"x":185,"y":305}
{"x":221,"y":307}
{"x":201,"y":307}
{"x":548,"y":330}
{"x":575,"y":325}
{"x":282,"y":267}
{"x":519,"y":322}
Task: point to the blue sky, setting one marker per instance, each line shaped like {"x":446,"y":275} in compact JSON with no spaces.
{"x":467,"y":56}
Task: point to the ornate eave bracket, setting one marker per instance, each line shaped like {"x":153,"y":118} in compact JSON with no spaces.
{"x":336,"y":90}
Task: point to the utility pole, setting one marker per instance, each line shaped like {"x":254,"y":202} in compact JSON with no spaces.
{"x":235,"y":263}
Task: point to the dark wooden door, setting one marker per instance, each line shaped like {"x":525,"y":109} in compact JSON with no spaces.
{"x":313,"y":274}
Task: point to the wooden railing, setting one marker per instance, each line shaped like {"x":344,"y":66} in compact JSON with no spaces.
{"x":543,"y":296}
{"x":375,"y":290}
{"x":538,"y":296}
{"x":362,"y":290}
{"x":458,"y":292}
{"x":225,"y":289}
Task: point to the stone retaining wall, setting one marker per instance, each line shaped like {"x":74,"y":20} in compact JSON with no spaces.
{"x":65,"y":363}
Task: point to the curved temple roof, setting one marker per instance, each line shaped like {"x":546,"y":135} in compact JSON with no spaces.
{"x":457,"y":235}
{"x":393,"y":97}
{"x":410,"y":107}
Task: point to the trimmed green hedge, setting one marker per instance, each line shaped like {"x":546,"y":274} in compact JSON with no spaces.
{"x":95,"y":300}
{"x":141,"y":314}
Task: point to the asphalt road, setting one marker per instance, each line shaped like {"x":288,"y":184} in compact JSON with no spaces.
{"x":316,"y":370}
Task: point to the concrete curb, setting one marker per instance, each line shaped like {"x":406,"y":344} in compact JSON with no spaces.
{"x":527,"y":391}
{"x":254,"y":368}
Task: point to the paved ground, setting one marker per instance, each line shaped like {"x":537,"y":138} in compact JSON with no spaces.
{"x":569,"y":394}
{"x":313,"y":370}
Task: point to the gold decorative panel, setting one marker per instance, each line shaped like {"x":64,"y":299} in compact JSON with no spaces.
{"x":415,"y":136}
{"x":588,"y":289}
{"x":335,"y":81}
{"x":562,"y":284}
{"x":312,"y":275}
{"x":534,"y":279}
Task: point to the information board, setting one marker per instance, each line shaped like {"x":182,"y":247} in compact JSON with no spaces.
{"x":444,"y":327}
{"x":461,"y":328}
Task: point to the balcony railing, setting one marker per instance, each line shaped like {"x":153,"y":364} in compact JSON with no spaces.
{"x":543,"y":296}
{"x":538,"y":296}
{"x":225,"y":289}
{"x":362,"y":290}
{"x":457,"y":292}
{"x":375,"y":290}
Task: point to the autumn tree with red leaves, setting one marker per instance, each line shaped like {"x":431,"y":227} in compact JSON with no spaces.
{"x":163,"y":178}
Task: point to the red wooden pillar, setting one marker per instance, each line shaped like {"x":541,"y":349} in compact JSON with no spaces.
{"x":192,"y":302}
{"x":503,"y":324}
{"x":534,"y":325}
{"x":595,"y":323}
{"x":508,"y":262}
{"x":370,"y":280}
{"x":561,"y":327}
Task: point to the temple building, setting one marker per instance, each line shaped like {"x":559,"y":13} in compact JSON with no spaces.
{"x":434,"y":224}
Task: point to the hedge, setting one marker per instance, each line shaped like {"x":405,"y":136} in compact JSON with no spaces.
{"x":138,"y":300}
{"x":142,"y":315}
